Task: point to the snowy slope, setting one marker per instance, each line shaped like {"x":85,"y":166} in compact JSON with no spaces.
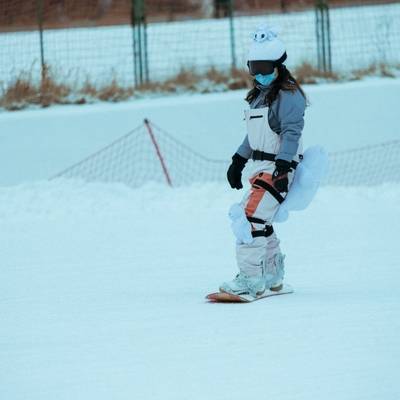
{"x":36,"y":144}
{"x":102,"y":287}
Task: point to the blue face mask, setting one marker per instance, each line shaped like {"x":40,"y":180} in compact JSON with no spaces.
{"x":265,"y":79}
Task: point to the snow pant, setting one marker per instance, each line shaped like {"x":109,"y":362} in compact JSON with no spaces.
{"x":260,"y":203}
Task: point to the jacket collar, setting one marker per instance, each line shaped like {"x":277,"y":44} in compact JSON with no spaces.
{"x":263,"y":88}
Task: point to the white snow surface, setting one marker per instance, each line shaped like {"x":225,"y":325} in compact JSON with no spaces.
{"x":102,"y":297}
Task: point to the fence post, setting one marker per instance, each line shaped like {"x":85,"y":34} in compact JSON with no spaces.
{"x":323,"y":35}
{"x":39,"y":16}
{"x":232,"y":31}
{"x":139,"y":36}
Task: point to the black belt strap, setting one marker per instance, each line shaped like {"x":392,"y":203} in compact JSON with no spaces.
{"x":267,"y":231}
{"x":258,"y":155}
{"x":278,"y":197}
{"x":256,"y":220}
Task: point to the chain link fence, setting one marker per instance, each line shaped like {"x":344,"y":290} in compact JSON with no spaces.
{"x":77,"y":40}
{"x":150,"y":154}
{"x":139,"y":41}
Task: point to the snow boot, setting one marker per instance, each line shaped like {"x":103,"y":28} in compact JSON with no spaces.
{"x":274,"y":272}
{"x":244,"y":284}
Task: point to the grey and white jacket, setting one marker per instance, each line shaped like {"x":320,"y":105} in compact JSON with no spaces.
{"x":285,"y":117}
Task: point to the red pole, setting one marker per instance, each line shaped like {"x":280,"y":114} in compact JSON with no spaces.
{"x":159,"y":155}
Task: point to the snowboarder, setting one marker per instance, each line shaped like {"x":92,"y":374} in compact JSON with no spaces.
{"x":274,"y":122}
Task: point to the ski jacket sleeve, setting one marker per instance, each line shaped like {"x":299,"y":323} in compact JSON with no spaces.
{"x":290,"y":114}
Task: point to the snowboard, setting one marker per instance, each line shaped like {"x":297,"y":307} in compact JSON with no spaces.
{"x":223,"y":297}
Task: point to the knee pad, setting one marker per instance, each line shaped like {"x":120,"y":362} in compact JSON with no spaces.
{"x":241,"y":227}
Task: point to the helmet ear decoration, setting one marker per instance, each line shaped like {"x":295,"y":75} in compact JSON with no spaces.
{"x":264,"y":33}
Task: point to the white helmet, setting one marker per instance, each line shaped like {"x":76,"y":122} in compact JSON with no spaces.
{"x":266,"y":46}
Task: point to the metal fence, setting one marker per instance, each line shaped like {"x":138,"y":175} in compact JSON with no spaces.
{"x":138,"y":41}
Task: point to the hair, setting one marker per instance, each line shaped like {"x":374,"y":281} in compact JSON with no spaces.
{"x":284,"y":81}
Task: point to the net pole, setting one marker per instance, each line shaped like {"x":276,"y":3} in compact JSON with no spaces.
{"x":158,"y":152}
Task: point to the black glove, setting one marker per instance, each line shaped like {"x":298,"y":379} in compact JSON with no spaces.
{"x":280,"y":175}
{"x":234,"y":173}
